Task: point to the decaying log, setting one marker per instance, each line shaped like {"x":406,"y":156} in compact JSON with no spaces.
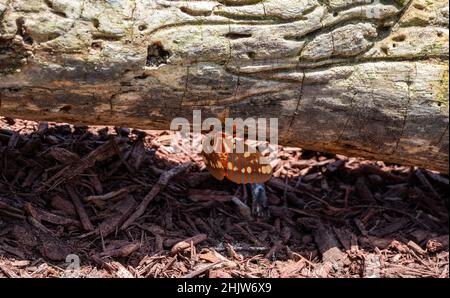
{"x":345,"y":76}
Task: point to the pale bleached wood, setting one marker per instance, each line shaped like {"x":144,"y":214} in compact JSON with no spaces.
{"x":341,"y":75}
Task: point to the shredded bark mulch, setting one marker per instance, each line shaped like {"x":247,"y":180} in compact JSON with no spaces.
{"x":125,"y":205}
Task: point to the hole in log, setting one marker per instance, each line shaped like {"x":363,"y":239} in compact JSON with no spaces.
{"x":65,"y":108}
{"x":195,"y":13}
{"x":96,"y":23}
{"x":399,"y":38}
{"x":96,"y":45}
{"x":21,"y":30}
{"x":142,"y":27}
{"x":106,"y":37}
{"x":52,"y":36}
{"x":419,"y":6}
{"x":141,"y":77}
{"x":157,"y":55}
{"x":13,"y":90}
{"x":235,"y":35}
{"x":13,"y":56}
{"x":60,"y":13}
{"x":251,"y":55}
{"x":49,"y":3}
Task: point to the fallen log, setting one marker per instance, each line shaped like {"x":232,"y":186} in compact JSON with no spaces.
{"x":367,"y":79}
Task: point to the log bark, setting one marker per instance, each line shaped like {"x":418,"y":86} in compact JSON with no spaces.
{"x":359,"y":77}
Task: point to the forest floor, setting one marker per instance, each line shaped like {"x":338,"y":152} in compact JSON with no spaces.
{"x":70,"y":194}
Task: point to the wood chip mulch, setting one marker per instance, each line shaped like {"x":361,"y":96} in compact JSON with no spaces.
{"x":125,"y":205}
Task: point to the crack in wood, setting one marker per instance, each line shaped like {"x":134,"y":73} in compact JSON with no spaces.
{"x":294,"y":115}
{"x":133,"y":19}
{"x":238,"y":82}
{"x":341,"y":134}
{"x":230,"y":57}
{"x":441,"y":138}
{"x":406,"y":112}
{"x":185,"y":86}
{"x":239,"y":3}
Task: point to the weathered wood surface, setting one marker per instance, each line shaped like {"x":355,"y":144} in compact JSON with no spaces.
{"x":351,"y":76}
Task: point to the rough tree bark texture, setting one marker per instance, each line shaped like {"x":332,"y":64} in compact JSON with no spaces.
{"x":360,"y":77}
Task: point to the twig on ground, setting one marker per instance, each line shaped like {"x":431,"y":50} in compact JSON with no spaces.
{"x":161,"y":184}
